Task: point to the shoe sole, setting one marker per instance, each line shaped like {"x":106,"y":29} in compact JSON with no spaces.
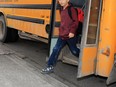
{"x":47,"y":72}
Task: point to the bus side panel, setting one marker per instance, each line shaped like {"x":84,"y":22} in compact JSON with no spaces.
{"x":30,"y":27}
{"x":33,"y":28}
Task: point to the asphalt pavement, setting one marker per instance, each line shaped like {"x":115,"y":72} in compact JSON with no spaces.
{"x":22,"y":61}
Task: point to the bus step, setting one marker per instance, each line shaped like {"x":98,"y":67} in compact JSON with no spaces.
{"x":70,"y":59}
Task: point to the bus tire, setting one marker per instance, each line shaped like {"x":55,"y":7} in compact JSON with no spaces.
{"x":7,"y":34}
{"x":4,"y":32}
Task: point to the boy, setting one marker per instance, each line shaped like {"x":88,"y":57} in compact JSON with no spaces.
{"x":67,"y":35}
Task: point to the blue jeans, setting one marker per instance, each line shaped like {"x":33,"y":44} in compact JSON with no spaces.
{"x":59,"y":45}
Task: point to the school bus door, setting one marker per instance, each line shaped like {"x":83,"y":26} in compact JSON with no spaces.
{"x":89,"y":43}
{"x":106,"y":65}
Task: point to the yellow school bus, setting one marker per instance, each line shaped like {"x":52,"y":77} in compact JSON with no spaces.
{"x":28,"y":16}
{"x":40,"y":19}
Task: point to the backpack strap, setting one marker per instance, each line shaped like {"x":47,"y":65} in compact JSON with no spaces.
{"x":70,"y":12}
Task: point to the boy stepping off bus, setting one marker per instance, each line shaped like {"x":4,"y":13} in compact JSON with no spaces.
{"x":67,"y":35}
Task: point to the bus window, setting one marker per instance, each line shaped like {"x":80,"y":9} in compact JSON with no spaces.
{"x":93,"y":23}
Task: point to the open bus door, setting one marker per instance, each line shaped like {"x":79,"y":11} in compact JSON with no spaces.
{"x":88,"y":55}
{"x":106,"y":65}
{"x":89,"y":43}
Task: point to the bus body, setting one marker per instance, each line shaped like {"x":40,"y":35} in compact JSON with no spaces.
{"x":40,"y":19}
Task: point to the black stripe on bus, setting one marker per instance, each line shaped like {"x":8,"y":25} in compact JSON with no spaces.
{"x":25,"y":6}
{"x":30,"y":6}
{"x":27,"y":19}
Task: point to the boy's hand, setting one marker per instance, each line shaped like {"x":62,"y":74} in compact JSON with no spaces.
{"x":71,"y":35}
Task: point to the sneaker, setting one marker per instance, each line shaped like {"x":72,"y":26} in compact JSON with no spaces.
{"x":48,"y":70}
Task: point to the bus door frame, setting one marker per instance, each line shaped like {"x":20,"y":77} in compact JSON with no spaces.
{"x":85,"y":68}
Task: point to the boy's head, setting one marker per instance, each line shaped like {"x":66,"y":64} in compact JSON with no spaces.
{"x":63,"y":2}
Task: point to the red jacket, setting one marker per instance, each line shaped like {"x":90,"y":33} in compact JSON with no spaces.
{"x":67,"y":24}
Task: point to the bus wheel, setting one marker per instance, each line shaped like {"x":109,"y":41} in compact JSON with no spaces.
{"x":4,"y":32}
{"x":7,"y":34}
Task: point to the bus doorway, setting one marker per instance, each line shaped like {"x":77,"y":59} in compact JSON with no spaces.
{"x":86,"y":62}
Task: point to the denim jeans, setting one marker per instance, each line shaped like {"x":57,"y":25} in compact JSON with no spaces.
{"x":59,"y":45}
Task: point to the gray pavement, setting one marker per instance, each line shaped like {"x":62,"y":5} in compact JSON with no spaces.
{"x":14,"y":72}
{"x":31,"y":56}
